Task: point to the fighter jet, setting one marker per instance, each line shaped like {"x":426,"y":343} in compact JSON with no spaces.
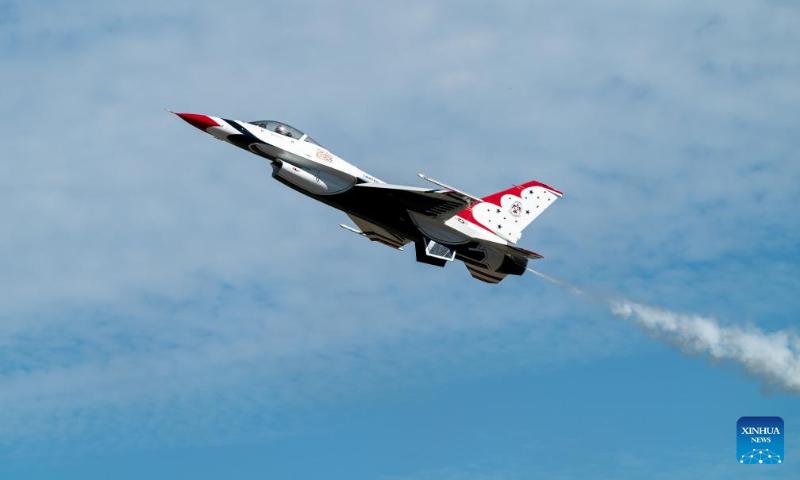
{"x":445,"y":223}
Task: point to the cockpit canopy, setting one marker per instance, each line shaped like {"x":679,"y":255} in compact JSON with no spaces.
{"x":283,"y":129}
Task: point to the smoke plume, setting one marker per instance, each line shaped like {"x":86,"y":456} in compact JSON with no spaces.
{"x":774,"y":357}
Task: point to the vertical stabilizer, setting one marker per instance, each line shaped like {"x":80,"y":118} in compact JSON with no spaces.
{"x":507,"y":213}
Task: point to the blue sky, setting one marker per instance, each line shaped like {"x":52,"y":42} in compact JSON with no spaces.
{"x":168,"y":310}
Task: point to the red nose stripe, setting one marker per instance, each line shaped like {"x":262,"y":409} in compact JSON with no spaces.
{"x":200,"y":121}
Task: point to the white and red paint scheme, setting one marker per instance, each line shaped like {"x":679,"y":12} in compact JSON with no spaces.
{"x":445,"y":224}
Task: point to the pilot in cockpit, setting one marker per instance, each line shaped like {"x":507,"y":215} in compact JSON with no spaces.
{"x":283,"y":130}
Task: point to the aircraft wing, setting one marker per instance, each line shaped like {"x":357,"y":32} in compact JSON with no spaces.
{"x":431,"y":202}
{"x":377,"y":233}
{"x":439,"y":204}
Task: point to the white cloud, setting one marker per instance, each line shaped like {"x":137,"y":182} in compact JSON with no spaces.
{"x":668,"y":125}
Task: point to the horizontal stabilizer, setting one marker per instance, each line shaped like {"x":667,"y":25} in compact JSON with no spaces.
{"x":524,"y":252}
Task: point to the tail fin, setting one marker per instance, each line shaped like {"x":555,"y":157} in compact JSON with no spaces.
{"x":508,"y":212}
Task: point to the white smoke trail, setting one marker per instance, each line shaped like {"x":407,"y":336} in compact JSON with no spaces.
{"x":775,"y":357}
{"x":571,"y":288}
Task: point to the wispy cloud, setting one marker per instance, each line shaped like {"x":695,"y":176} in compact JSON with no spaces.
{"x":148,"y":272}
{"x":197,"y":376}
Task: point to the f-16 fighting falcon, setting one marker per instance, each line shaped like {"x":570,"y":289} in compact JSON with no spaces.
{"x":445,"y":223}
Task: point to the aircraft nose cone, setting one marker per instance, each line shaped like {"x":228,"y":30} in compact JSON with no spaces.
{"x":200,"y":121}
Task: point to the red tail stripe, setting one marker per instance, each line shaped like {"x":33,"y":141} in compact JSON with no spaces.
{"x":516,"y":189}
{"x":494,"y":198}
